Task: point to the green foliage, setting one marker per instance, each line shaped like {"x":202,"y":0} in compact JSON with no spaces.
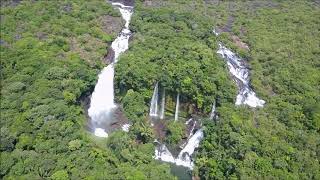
{"x":24,"y":142}
{"x":143,"y":131}
{"x":171,"y":46}
{"x":7,"y":140}
{"x":56,"y":73}
{"x":175,"y":132}
{"x":74,"y":144}
{"x":60,"y":175}
{"x":133,"y":104}
{"x":69,"y":97}
{"x":51,"y":55}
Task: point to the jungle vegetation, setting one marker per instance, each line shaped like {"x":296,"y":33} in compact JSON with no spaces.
{"x":51,"y":55}
{"x":175,"y":46}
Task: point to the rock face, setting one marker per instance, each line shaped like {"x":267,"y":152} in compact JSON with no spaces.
{"x":154,"y":3}
{"x":110,"y":24}
{"x":10,"y":3}
{"x":239,"y":43}
{"x":109,"y":57}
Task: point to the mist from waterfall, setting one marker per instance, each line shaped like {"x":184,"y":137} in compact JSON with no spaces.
{"x":102,"y":100}
{"x":176,"y":115}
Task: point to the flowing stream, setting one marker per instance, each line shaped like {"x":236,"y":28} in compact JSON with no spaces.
{"x":102,"y":102}
{"x":246,"y":96}
{"x":185,"y":156}
{"x":241,"y":75}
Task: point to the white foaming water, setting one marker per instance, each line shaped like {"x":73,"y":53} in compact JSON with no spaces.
{"x":213,"y":111}
{"x":192,"y":128}
{"x":188,"y":121}
{"x":126,"y":127}
{"x":100,"y":132}
{"x":162,"y":153}
{"x":241,"y":75}
{"x":102,"y":99}
{"x":176,"y":115}
{"x":163,"y":102}
{"x":215,"y":32}
{"x":154,"y":101}
{"x":185,"y":156}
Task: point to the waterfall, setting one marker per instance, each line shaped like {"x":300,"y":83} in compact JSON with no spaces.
{"x":102,"y":99}
{"x":192,"y":128}
{"x":154,"y":101}
{"x":188,"y":121}
{"x":215,"y":32}
{"x":241,"y":75}
{"x":100,"y":132}
{"x":213,"y":111}
{"x":125,"y":127}
{"x":162,"y":153}
{"x":185,"y":156}
{"x":163,"y":102}
{"x":176,"y":115}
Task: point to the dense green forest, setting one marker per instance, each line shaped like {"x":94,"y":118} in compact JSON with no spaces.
{"x":52,"y":53}
{"x":174,"y":45}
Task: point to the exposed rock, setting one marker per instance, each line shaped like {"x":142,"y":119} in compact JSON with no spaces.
{"x":109,"y":57}
{"x":262,"y":4}
{"x":67,"y":8}
{"x":239,"y":43}
{"x":228,"y":26}
{"x":85,"y":47}
{"x":10,"y":3}
{"x":131,"y":38}
{"x":154,"y":3}
{"x":42,"y":35}
{"x":3,"y":43}
{"x":121,"y":119}
{"x":110,"y":24}
{"x":17,"y":36}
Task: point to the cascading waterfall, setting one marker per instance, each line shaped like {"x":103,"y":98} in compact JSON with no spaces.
{"x":154,"y":101}
{"x":102,"y":99}
{"x":163,"y":102}
{"x":194,"y":123}
{"x":185,"y":156}
{"x":246,"y":96}
{"x":213,"y":111}
{"x":162,"y":153}
{"x":241,"y":75}
{"x":176,"y":115}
